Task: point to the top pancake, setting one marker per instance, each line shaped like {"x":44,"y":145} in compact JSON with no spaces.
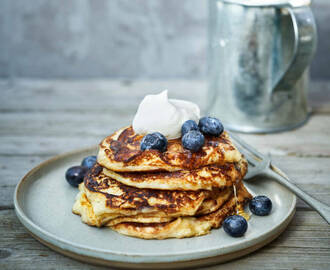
{"x":121,"y":152}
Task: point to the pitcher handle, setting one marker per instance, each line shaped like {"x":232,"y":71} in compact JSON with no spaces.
{"x":304,"y":47}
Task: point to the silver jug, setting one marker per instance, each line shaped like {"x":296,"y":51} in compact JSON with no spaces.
{"x":258,"y":63}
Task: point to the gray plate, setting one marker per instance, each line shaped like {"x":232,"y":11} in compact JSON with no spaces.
{"x":43,"y":202}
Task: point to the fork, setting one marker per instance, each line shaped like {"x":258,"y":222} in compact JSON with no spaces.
{"x":260,"y":164}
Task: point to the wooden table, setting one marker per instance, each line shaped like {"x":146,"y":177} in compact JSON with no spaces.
{"x":39,"y":119}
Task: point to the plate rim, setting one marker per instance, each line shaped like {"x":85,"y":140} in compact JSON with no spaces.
{"x":96,"y":253}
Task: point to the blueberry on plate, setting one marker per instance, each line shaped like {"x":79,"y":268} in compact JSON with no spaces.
{"x":187,"y":126}
{"x":88,"y":162}
{"x":235,"y":226}
{"x":210,"y":126}
{"x":260,"y":205}
{"x":75,"y":175}
{"x":154,"y":140}
{"x":193,"y":140}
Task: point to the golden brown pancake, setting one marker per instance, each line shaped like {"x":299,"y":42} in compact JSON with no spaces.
{"x":109,"y":199}
{"x":186,"y":226}
{"x":84,"y":208}
{"x":207,"y":177}
{"x":121,"y":152}
{"x":160,"y":223}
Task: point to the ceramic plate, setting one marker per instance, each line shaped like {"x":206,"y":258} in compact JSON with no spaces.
{"x":43,"y":202}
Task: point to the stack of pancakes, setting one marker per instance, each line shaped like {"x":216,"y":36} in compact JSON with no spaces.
{"x":156,"y":195}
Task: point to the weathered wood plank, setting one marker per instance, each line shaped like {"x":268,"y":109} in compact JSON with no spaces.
{"x":56,"y":95}
{"x":44,"y":145}
{"x":310,"y":174}
{"x":96,"y":108}
{"x":36,"y":133}
{"x":55,"y":123}
{"x":304,"y":245}
{"x":85,"y":95}
{"x":310,"y":140}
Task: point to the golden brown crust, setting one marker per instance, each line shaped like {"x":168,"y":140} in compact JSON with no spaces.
{"x":207,"y":177}
{"x":149,"y":226}
{"x":120,"y":196}
{"x":111,"y":199}
{"x":107,"y":199}
{"x":185,"y":226}
{"x":84,"y":208}
{"x":121,"y":152}
{"x":157,"y":195}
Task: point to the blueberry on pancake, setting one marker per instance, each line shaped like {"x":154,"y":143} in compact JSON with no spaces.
{"x":210,"y":126}
{"x":154,"y":141}
{"x":187,"y":126}
{"x":193,"y":140}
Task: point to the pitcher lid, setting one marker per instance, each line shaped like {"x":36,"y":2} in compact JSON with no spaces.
{"x":254,"y":3}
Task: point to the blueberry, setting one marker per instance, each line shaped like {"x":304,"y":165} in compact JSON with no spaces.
{"x":210,"y":126}
{"x":260,"y":205}
{"x":88,"y":161}
{"x":75,"y":175}
{"x":193,"y":140}
{"x":235,"y":225}
{"x":154,"y":140}
{"x":188,"y":125}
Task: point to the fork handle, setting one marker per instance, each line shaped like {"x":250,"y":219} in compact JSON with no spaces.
{"x":320,"y":207}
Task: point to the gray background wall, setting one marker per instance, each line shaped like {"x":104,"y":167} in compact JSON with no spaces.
{"x":118,"y":38}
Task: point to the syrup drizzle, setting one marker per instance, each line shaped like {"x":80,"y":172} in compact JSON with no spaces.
{"x":239,"y":210}
{"x":235,"y":194}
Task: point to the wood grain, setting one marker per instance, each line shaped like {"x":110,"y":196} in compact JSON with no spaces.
{"x":22,"y":133}
{"x":307,"y":236}
{"x":42,"y":118}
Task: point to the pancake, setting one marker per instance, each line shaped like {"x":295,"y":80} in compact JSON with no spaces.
{"x":139,"y":219}
{"x":110,"y":199}
{"x":185,"y":226}
{"x":121,"y":152}
{"x":207,"y":177}
{"x":84,"y":208}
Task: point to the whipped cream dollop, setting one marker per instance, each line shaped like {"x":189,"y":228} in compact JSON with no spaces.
{"x":158,"y":113}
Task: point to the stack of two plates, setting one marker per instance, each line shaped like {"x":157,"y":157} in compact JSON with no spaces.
{"x":43,"y":203}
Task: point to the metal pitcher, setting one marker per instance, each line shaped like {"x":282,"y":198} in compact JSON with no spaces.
{"x":258,"y":63}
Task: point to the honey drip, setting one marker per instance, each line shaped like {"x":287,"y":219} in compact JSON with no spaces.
{"x":235,"y":194}
{"x":239,"y":210}
{"x":242,"y":213}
